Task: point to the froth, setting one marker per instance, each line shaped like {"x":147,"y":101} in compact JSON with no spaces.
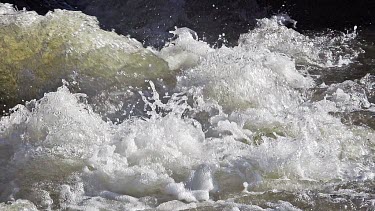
{"x":240,"y":119}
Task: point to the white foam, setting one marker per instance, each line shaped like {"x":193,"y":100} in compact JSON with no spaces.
{"x":185,"y":51}
{"x":7,"y":9}
{"x":243,"y":121}
{"x":21,"y":205}
{"x":350,"y":95}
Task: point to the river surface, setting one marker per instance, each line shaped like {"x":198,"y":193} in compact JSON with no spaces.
{"x":93,"y":120}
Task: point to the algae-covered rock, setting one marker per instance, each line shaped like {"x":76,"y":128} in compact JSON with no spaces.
{"x":36,"y":52}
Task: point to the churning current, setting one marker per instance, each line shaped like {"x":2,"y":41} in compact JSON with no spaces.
{"x":92,"y":120}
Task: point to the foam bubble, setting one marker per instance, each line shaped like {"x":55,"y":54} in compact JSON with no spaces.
{"x":239,"y":118}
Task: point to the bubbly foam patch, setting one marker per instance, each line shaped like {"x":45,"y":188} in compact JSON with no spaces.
{"x":240,"y":122}
{"x":58,"y":137}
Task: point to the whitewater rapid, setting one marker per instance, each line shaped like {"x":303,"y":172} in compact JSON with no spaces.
{"x":187,"y":127}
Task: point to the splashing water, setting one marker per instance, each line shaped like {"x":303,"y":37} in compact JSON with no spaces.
{"x":241,"y":128}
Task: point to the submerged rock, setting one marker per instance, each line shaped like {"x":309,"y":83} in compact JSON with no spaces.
{"x":37,"y":52}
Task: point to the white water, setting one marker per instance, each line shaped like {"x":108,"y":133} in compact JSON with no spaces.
{"x":240,"y":120}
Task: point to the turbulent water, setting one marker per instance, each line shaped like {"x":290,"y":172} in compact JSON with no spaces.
{"x":282,"y":121}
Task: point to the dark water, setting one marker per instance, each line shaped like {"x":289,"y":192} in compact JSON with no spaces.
{"x":150,"y":21}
